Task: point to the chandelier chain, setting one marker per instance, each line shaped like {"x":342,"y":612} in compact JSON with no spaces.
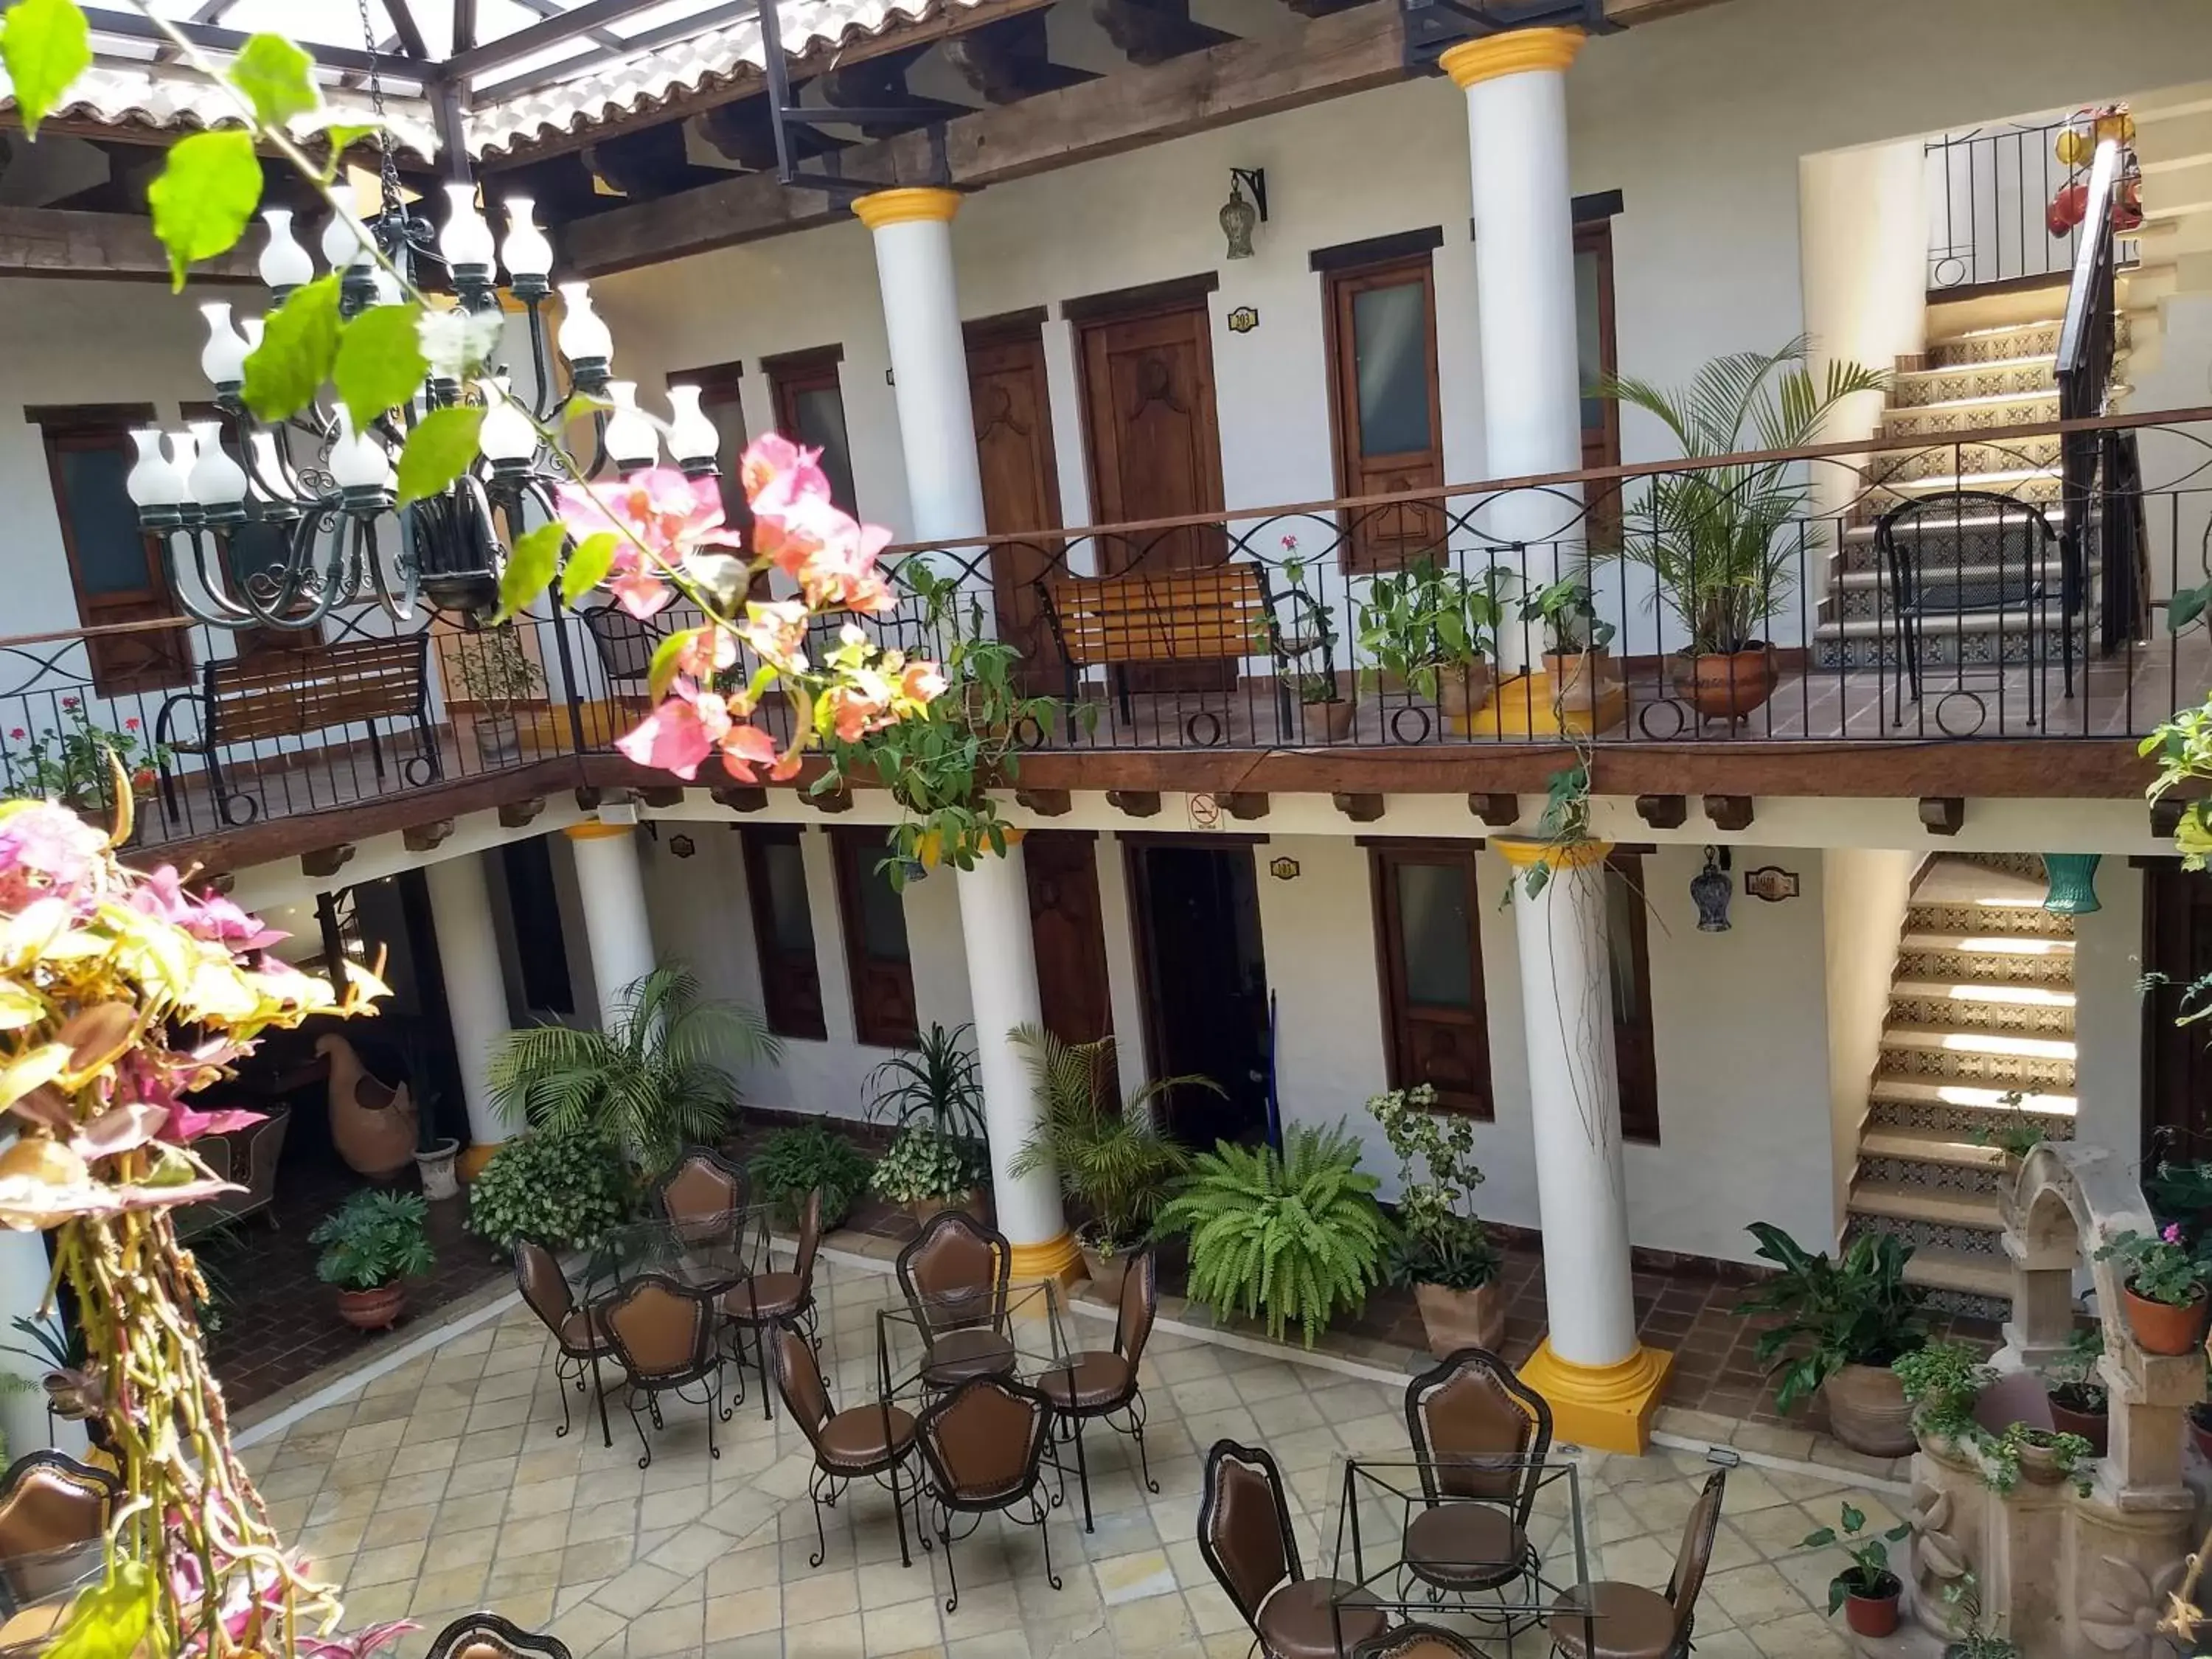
{"x":387,"y":163}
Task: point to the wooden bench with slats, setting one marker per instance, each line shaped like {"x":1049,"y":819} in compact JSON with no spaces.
{"x":274,"y":695}
{"x":1214,"y":613}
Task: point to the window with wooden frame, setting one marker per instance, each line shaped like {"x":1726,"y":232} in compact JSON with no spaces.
{"x":877,"y":959}
{"x":1387,"y":410}
{"x":250,"y":549}
{"x":719,"y":401}
{"x":810,"y":410}
{"x":783,"y":930}
{"x":1428,"y":944}
{"x":115,"y":567}
{"x":1597,"y":358}
{"x":1629,"y":963}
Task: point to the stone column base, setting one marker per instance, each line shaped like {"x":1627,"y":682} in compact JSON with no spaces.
{"x":1606,"y":1406}
{"x":1056,"y":1259}
{"x":469,"y":1164}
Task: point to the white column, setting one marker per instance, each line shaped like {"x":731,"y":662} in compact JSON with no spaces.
{"x":616,"y":932}
{"x":1601,"y":1383}
{"x":476,"y":993}
{"x":913,"y":232}
{"x":1002,"y":981}
{"x":1524,"y":274}
{"x":24,"y":1271}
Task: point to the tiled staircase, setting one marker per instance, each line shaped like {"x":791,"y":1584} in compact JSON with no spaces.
{"x":1989,"y":364}
{"x":1981,"y":1005}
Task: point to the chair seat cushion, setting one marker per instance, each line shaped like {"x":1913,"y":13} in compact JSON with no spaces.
{"x":774,"y":1296}
{"x":1092,"y":1382}
{"x":1465,"y":1545}
{"x":1298,"y":1622}
{"x":581,"y":1331}
{"x":971,"y":1351}
{"x":1631,"y":1623}
{"x":855,"y":1439}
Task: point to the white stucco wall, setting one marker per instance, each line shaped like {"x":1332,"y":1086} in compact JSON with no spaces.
{"x":1864,"y":894}
{"x":2108,"y":1014}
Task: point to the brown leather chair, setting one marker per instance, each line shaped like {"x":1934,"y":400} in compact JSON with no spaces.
{"x":984,"y":1444}
{"x":1096,"y":1383}
{"x":664,"y":1336}
{"x":954,"y":1275}
{"x":860,"y":1440}
{"x":48,"y":1501}
{"x":703,"y":1195}
{"x":1418,"y":1641}
{"x":1613,"y":1620}
{"x":762,"y":1301}
{"x":1245,"y":1538}
{"x":1481,"y":1436}
{"x":580,"y":1341}
{"x":487,"y":1636}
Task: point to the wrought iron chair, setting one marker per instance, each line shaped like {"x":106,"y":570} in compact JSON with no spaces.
{"x":763,"y":1301}
{"x":1481,"y":1436}
{"x":860,"y":1440}
{"x":1613,"y":1620}
{"x":1245,"y":1538}
{"x":664,"y":1337}
{"x":625,"y":644}
{"x":954,"y":1275}
{"x":703,"y":1195}
{"x":580,"y":1340}
{"x":984,"y":1446}
{"x":48,"y":1501}
{"x":1963,"y":550}
{"x":1096,"y":1383}
{"x":1418,"y":1641}
{"x":487,"y":1636}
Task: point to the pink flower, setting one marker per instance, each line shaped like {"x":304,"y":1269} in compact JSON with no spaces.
{"x":655,"y":516}
{"x":130,"y":725}
{"x":921,"y":682}
{"x":45,"y":848}
{"x":680,"y":733}
{"x":776,"y":630}
{"x":858,"y":708}
{"x":2172,"y":1232}
{"x":744,"y":747}
{"x":16,"y":731}
{"x":777,"y":474}
{"x":69,"y":702}
{"x":707,"y":652}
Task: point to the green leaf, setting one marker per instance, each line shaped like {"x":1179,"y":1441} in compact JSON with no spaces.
{"x":109,"y":1620}
{"x":208,"y":190}
{"x":529,"y":568}
{"x":2186,"y":605}
{"x":1899,"y":1533}
{"x":663,"y":669}
{"x":1837,"y":1590}
{"x":276,"y":75}
{"x":379,"y":362}
{"x":439,"y":450}
{"x":45,"y":44}
{"x":293,"y":359}
{"x":1854,"y":1519}
{"x":1820,"y":1540}
{"x":588,"y":565}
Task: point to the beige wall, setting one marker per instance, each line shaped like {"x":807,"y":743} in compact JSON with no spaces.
{"x":1864,"y":894}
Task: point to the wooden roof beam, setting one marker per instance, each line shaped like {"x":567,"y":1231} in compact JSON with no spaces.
{"x":65,"y":242}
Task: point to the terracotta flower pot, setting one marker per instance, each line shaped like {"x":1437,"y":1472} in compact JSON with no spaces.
{"x":1462,"y":1319}
{"x":2162,"y":1327}
{"x":2096,"y":1427}
{"x":1330,"y":721}
{"x":1578,"y":678}
{"x":2039,"y":1464}
{"x":1727,"y":685}
{"x":1867,"y":1410}
{"x":373,"y":1311}
{"x":1106,"y":1271}
{"x":1460,"y":692}
{"x":1874,"y":1615}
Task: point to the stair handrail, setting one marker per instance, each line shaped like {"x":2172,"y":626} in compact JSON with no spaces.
{"x":2088,"y":346}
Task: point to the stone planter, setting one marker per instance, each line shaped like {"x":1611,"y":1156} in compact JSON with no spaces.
{"x":1867,"y":1410}
{"x":373,"y":1311}
{"x":499,"y":741}
{"x":2163,"y":1328}
{"x":1727,"y":685}
{"x":436,"y":1167}
{"x":1462,"y":1319}
{"x":1875,"y":1615}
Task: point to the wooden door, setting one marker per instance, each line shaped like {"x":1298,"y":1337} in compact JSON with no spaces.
{"x":2176,"y":1059}
{"x":1155,"y":452}
{"x":115,"y":567}
{"x":1204,"y":982}
{"x":1071,"y":937}
{"x":1021,"y":490}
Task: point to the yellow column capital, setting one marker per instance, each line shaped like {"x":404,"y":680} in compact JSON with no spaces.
{"x":1522,"y":852}
{"x":1515,"y":52}
{"x":594,"y":830}
{"x":899,"y":207}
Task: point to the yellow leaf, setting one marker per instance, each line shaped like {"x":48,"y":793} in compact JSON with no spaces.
{"x":18,"y":1007}
{"x":41,"y":1066}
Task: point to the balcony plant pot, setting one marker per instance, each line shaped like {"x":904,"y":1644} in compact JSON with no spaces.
{"x":1867,"y":1410}
{"x":2070,"y":1414}
{"x":1462,"y":691}
{"x":499,"y":740}
{"x":1727,"y":684}
{"x":1876,"y":1613}
{"x":436,"y":1167}
{"x":1578,"y":679}
{"x":1331,"y":721}
{"x":1462,"y":1319}
{"x":373,"y":1311}
{"x":2161,"y":1327}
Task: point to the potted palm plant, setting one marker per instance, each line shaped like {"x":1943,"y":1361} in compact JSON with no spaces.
{"x":1435,"y":631}
{"x":938,"y":1159}
{"x":497,"y":673}
{"x":654,"y":1080}
{"x":1443,"y":1250}
{"x":1113,"y":1160}
{"x":1714,"y":537}
{"x":372,"y":1244}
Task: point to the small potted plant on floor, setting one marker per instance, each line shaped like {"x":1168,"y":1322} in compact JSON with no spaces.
{"x":795,"y":1161}
{"x":2080,"y":1403}
{"x":1841,"y":1324}
{"x":1574,"y":637}
{"x":1867,"y":1590}
{"x":372,"y":1244}
{"x":1329,"y":712}
{"x":435,"y":1152}
{"x":1113,"y":1159}
{"x":2164,"y":1293}
{"x":1443,"y":1250}
{"x":939,"y":1159}
{"x":1434,"y":631}
{"x":497,"y":673}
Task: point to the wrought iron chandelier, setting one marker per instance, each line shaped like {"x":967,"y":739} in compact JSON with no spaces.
{"x":329,"y":492}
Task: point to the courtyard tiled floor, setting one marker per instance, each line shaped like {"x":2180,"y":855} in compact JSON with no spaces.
{"x":442,"y":1486}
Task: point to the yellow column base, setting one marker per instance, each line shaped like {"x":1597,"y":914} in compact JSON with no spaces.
{"x":469,"y":1164}
{"x":1606,"y":1406}
{"x":1056,"y":1259}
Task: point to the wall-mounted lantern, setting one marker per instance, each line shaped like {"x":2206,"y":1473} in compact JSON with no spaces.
{"x":1710,"y":889}
{"x":1241,"y":214}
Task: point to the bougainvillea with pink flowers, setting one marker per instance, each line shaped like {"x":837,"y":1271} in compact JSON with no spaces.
{"x":121,"y":994}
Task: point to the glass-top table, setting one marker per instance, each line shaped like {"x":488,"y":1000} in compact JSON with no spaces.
{"x":933,"y":1343}
{"x":706,"y":1258}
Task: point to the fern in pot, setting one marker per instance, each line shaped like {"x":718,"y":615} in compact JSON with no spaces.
{"x":1114,"y":1160}
{"x":1443,"y":1250}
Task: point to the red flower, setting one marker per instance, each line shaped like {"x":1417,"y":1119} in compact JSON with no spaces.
{"x":69,"y":702}
{"x":130,"y":725}
{"x":16,"y":731}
